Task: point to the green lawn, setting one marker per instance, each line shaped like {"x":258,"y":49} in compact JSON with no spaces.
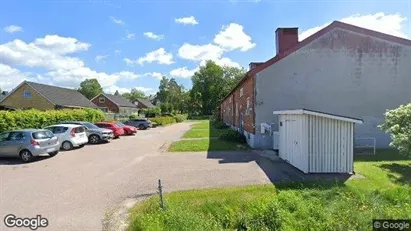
{"x":203,"y":133}
{"x":205,"y":124}
{"x":384,"y":193}
{"x":202,"y":145}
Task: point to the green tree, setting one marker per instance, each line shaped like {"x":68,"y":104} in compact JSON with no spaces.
{"x":135,"y":94}
{"x":90,"y":88}
{"x":117,"y":93}
{"x":211,"y":83}
{"x":398,"y":123}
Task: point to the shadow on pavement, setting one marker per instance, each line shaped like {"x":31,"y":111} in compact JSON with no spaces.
{"x":17,"y":161}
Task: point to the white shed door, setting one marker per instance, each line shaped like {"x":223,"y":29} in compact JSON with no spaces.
{"x":290,"y":143}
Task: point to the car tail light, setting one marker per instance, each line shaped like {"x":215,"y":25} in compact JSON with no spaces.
{"x":72,"y":132}
{"x":34,"y":143}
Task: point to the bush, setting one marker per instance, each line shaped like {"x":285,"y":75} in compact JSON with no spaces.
{"x":150,"y":112}
{"x":133,"y":116}
{"x":161,"y":121}
{"x":180,"y":118}
{"x":232,"y":136}
{"x":398,"y":123}
{"x":21,"y":119}
{"x":199,"y":117}
{"x":219,"y":124}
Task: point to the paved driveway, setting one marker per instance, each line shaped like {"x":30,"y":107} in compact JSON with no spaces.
{"x":76,"y":188}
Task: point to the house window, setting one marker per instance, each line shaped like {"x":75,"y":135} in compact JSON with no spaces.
{"x":241,"y":92}
{"x":247,"y":111}
{"x":101,"y":100}
{"x":27,"y":94}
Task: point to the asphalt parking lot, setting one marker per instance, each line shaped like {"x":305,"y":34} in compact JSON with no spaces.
{"x":75,"y":189}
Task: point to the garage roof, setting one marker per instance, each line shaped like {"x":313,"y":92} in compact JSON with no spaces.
{"x":318,"y":113}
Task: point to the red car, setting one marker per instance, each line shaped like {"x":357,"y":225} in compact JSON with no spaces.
{"x":128,"y":130}
{"x":118,"y":131}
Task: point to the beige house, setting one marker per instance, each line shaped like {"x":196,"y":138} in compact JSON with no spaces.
{"x":44,"y":97}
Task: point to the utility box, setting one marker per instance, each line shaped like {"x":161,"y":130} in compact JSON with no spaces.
{"x":317,"y":142}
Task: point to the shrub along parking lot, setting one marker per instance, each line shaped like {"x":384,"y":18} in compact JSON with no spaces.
{"x":384,"y":193}
{"x":20,"y":119}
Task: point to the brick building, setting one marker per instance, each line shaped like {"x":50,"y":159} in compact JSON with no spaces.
{"x":114,"y":103}
{"x":341,"y":69}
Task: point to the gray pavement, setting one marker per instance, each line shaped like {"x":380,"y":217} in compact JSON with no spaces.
{"x":75,"y":189}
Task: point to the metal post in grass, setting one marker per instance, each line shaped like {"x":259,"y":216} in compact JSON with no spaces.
{"x":160,"y":190}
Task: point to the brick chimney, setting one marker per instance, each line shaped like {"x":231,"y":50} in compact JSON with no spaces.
{"x":286,"y":38}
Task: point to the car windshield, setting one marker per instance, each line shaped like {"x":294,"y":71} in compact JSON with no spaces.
{"x":90,"y":126}
{"x":120,"y":124}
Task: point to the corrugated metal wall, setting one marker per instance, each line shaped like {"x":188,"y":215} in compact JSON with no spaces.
{"x":330,"y":145}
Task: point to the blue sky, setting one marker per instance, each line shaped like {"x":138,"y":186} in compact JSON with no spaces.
{"x":127,"y":44}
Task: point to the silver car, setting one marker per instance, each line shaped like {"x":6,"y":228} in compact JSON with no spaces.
{"x":28,"y":143}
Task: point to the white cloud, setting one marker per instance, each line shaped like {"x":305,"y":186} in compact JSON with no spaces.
{"x":117,"y":21}
{"x":153,"y":36}
{"x":392,"y":24}
{"x":130,"y":35}
{"x":61,"y":45}
{"x":154,"y":75}
{"x":200,"y":52}
{"x":160,"y":56}
{"x":146,"y":90}
{"x":12,"y":29}
{"x":233,"y":37}
{"x":187,"y":20}
{"x":183,"y":72}
{"x":11,"y":77}
{"x":100,"y":58}
{"x":50,"y":54}
{"x":117,"y":51}
{"x":113,"y":88}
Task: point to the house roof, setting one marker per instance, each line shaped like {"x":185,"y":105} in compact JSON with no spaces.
{"x":58,"y":95}
{"x":62,"y":96}
{"x":119,"y":100}
{"x":318,"y":113}
{"x":1,"y":97}
{"x":333,"y":25}
{"x":145,"y":102}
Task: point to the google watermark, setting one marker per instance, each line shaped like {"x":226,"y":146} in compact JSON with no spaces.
{"x":391,"y":225}
{"x":33,"y":223}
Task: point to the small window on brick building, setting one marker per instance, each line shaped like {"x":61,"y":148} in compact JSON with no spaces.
{"x":248,"y":109}
{"x":241,"y":92}
{"x":230,"y":99}
{"x":101,"y":100}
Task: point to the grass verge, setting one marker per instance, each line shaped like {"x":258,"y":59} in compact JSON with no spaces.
{"x":384,"y":193}
{"x":202,"y":145}
{"x":203,"y":133}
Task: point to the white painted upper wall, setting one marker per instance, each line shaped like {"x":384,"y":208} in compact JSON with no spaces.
{"x":339,"y":81}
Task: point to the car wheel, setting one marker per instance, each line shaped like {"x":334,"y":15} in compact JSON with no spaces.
{"x":94,"y":139}
{"x":53,"y":153}
{"x":141,"y":127}
{"x":26,"y":156}
{"x":66,"y":146}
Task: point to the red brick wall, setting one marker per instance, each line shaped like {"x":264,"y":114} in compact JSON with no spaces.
{"x":229,"y":110}
{"x":108,"y":104}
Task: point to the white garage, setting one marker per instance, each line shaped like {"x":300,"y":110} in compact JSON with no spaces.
{"x":317,"y":142}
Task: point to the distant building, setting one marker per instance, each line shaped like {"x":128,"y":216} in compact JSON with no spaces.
{"x":143,"y":103}
{"x":44,"y":97}
{"x":114,"y":103}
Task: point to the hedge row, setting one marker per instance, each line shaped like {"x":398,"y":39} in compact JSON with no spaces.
{"x":12,"y":120}
{"x":165,"y":120}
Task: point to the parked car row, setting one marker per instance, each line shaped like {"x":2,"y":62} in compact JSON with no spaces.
{"x":29,"y":143}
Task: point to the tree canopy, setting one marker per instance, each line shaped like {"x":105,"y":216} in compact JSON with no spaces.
{"x":135,"y":94}
{"x":90,"y":88}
